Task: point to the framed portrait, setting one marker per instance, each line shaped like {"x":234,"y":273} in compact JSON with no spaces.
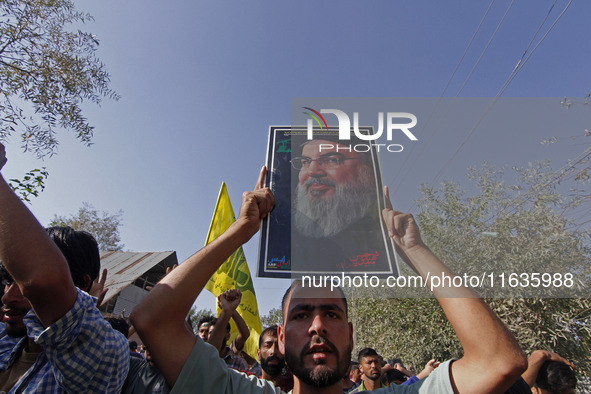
{"x":328,"y":204}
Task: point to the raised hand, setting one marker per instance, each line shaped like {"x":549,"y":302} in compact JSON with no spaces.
{"x":255,"y":206}
{"x":401,"y":368}
{"x":429,"y":367}
{"x":168,"y":271}
{"x":402,"y":227}
{"x":98,"y":289}
{"x":229,"y":300}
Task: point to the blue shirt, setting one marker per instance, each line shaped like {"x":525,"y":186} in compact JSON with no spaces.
{"x":81,"y":353}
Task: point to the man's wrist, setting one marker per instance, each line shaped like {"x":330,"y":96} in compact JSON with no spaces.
{"x":228,"y":310}
{"x":241,"y":230}
{"x":225,"y":314}
{"x":417,"y":250}
{"x":539,"y":357}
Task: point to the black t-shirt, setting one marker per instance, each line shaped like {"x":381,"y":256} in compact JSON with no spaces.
{"x":143,"y":378}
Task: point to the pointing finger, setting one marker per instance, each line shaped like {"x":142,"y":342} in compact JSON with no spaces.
{"x":261,"y":181}
{"x":387,"y":197}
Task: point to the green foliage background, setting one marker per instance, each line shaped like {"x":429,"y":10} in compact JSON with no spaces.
{"x":48,"y":68}
{"x":103,"y":226}
{"x":533,"y":233}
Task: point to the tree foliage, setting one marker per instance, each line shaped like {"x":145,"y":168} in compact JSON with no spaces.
{"x":577,"y":171}
{"x":32,"y":184}
{"x":197,"y":314}
{"x":46,"y":72}
{"x":523,"y":211}
{"x":275,"y":316}
{"x":102,"y":225}
{"x":50,"y":69}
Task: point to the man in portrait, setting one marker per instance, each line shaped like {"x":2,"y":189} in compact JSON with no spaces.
{"x":335,"y":207}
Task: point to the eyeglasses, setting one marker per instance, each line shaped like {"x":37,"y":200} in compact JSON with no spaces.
{"x":326,"y":162}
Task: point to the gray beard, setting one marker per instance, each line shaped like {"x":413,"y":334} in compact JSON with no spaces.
{"x":318,"y":218}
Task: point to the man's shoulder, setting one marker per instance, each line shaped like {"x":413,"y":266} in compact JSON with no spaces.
{"x":143,"y":378}
{"x":357,"y":389}
{"x":235,"y":361}
{"x":438,"y":381}
{"x":82,"y":347}
{"x":8,"y":346}
{"x":205,"y":370}
{"x":7,"y":342}
{"x":83,"y":316}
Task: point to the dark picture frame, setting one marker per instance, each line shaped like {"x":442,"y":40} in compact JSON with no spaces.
{"x":284,"y":252}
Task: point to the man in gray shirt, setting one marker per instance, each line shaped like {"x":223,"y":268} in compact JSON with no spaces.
{"x":316,"y":336}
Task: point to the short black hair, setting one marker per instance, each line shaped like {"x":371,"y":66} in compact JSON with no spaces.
{"x":392,"y":375}
{"x":366,"y":353}
{"x":519,"y":387}
{"x":271,"y":330}
{"x":205,"y":319}
{"x":556,"y":377}
{"x":81,"y":252}
{"x":119,"y":323}
{"x":298,"y":283}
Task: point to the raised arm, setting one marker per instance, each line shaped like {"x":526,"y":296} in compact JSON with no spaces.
{"x":429,"y":367}
{"x":492,"y":358}
{"x":243,"y":331}
{"x":160,"y":318}
{"x":36,"y":264}
{"x":228,"y":302}
{"x":535,"y":362}
{"x":98,"y":288}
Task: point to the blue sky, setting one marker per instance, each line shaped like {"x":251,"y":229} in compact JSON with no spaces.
{"x":202,"y":81}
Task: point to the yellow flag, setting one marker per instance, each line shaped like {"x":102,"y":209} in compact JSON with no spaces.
{"x":234,"y":274}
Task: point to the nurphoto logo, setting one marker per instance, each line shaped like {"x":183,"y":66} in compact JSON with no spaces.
{"x":395,"y":121}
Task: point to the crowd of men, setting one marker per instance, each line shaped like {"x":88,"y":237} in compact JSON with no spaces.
{"x":54,"y":339}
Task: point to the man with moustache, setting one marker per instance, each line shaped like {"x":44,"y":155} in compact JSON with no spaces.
{"x":371,"y":369}
{"x":316,"y":336}
{"x":272,"y":360}
{"x":336,"y":217}
{"x":54,"y":339}
{"x":335,"y":188}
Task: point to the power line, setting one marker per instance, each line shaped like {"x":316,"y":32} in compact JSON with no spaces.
{"x":515,"y":71}
{"x":428,"y":139}
{"x":468,"y":47}
{"x":533,"y":38}
{"x":520,"y":65}
{"x":506,"y":84}
{"x":486,"y":47}
{"x":517,"y":68}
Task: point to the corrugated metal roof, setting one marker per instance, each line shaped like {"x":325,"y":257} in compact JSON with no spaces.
{"x":125,"y":267}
